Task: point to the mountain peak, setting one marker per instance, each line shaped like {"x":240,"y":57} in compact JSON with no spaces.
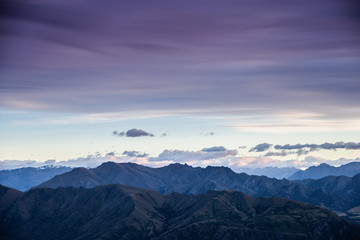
{"x":324,"y":169}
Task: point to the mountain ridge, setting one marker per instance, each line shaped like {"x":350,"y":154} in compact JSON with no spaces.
{"x":25,"y":178}
{"x":324,"y":170}
{"x":186,"y":179}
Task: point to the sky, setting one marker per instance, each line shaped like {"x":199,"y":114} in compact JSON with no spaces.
{"x":233,"y":83}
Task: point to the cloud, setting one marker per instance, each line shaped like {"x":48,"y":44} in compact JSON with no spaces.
{"x":301,"y":152}
{"x":317,"y":147}
{"x":294,"y":147}
{"x":163,"y":135}
{"x":226,"y":158}
{"x":117,"y":133}
{"x":193,"y":156}
{"x":285,"y":59}
{"x":280,"y":154}
{"x":109,"y":156}
{"x":50,"y":162}
{"x":262,"y":147}
{"x":242,"y":147}
{"x":133,"y":133}
{"x":134,"y":154}
{"x":214,"y":149}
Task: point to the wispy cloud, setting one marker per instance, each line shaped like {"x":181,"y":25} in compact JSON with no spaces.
{"x":290,"y":61}
{"x":226,"y":158}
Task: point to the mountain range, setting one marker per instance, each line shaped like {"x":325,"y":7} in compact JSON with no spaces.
{"x":124,"y":212}
{"x":25,"y":178}
{"x":347,"y":187}
{"x":189,"y":180}
{"x":324,"y":170}
{"x":271,"y":172}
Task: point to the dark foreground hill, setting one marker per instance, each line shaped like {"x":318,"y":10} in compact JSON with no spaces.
{"x":324,"y":170}
{"x":186,"y":179}
{"x":123,"y":212}
{"x":25,"y":178}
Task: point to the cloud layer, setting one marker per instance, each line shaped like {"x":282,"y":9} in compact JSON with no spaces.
{"x":327,"y":146}
{"x":182,"y":156}
{"x":303,"y":149}
{"x":188,"y":57}
{"x":197,"y":158}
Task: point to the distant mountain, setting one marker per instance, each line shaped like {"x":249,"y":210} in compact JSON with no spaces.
{"x":347,"y":187}
{"x":271,"y":172}
{"x":323,"y":170}
{"x":25,"y":178}
{"x":123,"y":212}
{"x":186,"y":179}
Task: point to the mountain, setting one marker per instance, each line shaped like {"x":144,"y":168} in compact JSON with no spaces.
{"x":124,"y":212}
{"x":323,"y":170}
{"x":347,"y":187}
{"x":186,"y":179}
{"x":271,"y":172}
{"x":25,"y":178}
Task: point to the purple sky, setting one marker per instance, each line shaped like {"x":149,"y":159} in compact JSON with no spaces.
{"x":289,"y":65}
{"x":180,"y":55}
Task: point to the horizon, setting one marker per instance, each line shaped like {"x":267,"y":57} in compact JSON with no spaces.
{"x":206,"y":83}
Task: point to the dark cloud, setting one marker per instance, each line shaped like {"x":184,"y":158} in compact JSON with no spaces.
{"x":280,"y":154}
{"x":294,"y":147}
{"x":262,"y":147}
{"x":138,"y":133}
{"x":302,"y":152}
{"x":214,"y":149}
{"x":133,"y":133}
{"x":352,"y":146}
{"x":163,"y":135}
{"x":117,"y":133}
{"x":242,"y":147}
{"x":110,"y":154}
{"x":134,"y":154}
{"x":315,"y":147}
